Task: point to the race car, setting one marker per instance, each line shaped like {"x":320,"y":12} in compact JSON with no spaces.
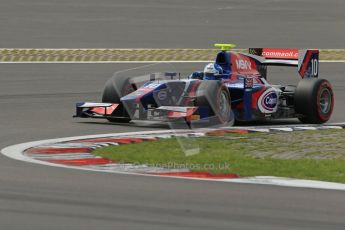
{"x":233,"y":87}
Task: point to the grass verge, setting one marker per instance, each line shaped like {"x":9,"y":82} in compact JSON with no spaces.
{"x":317,"y":155}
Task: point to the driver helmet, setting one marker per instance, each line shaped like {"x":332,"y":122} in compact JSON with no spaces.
{"x":212,"y":69}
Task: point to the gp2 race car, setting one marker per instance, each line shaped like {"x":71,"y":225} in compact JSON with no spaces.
{"x":235,"y":86}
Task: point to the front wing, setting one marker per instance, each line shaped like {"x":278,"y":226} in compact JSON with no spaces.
{"x":105,"y":110}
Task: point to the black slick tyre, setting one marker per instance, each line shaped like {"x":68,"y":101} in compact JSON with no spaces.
{"x":314,"y":100}
{"x":114,"y":89}
{"x":215,"y":98}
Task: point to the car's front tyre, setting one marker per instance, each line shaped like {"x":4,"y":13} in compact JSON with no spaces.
{"x":114,"y":89}
{"x":214,"y":97}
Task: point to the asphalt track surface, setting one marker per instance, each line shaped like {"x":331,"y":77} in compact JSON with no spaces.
{"x":37,"y":101}
{"x":171,"y":24}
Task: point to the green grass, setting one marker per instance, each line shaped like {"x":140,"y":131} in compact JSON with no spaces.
{"x":306,"y":154}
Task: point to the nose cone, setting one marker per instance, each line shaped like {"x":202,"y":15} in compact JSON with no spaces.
{"x":134,"y":96}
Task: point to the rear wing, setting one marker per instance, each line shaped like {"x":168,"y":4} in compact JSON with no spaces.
{"x":307,"y":60}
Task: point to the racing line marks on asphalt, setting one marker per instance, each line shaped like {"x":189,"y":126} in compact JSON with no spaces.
{"x":76,"y":152}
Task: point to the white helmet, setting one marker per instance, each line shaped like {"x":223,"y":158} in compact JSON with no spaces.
{"x":213,"y":68}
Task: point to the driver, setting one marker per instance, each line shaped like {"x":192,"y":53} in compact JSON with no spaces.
{"x":212,"y":69}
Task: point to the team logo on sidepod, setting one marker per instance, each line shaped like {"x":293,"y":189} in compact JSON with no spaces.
{"x":268,"y":102}
{"x":162,"y":95}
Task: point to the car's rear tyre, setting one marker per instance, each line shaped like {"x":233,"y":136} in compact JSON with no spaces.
{"x":214,"y":97}
{"x":114,"y":89}
{"x":314,"y":100}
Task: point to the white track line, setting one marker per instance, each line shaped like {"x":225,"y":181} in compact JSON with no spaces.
{"x":332,"y":61}
{"x":289,"y":182}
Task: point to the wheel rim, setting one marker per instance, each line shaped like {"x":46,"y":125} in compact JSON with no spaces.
{"x":224,"y":109}
{"x":325,"y":100}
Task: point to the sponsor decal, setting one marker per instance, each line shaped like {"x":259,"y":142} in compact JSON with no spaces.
{"x":162,"y":95}
{"x":268,"y":101}
{"x":280,"y":53}
{"x":248,"y":83}
{"x":234,"y":85}
{"x":243,"y":64}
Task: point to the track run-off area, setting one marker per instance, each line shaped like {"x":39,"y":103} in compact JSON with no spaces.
{"x":76,"y":153}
